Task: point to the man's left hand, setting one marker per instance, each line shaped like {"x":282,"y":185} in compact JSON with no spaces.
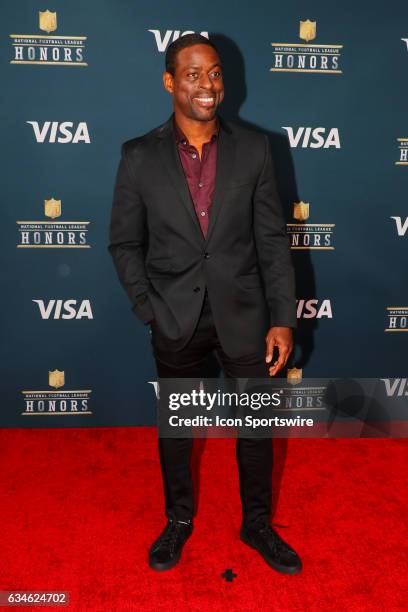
{"x":282,"y":337}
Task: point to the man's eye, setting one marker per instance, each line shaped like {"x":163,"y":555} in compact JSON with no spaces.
{"x":192,"y":74}
{"x":216,"y":73}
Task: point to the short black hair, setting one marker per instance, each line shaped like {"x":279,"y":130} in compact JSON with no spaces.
{"x":188,"y":40}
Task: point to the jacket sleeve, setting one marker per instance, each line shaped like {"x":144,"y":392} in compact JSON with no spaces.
{"x":273,"y":247}
{"x":128,"y":238}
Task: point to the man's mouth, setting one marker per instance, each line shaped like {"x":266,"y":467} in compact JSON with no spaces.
{"x":204,"y":101}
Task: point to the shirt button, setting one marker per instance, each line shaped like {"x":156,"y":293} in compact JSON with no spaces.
{"x":206,"y":255}
{"x":202,"y":213}
{"x":194,"y":156}
{"x":196,"y":289}
{"x":200,"y":184}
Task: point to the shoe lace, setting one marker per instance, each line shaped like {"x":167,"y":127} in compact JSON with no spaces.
{"x":275,"y":541}
{"x":171,"y":534}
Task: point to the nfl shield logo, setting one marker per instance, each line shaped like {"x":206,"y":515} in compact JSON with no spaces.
{"x":294,"y":376}
{"x":52,"y":208}
{"x":47,"y":21}
{"x":56,"y":379}
{"x":301,"y":211}
{"x":307,"y":30}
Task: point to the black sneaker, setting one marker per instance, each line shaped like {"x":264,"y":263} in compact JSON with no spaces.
{"x":165,"y":552}
{"x":275,"y":551}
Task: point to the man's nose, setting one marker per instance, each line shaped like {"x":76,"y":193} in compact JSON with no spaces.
{"x":205,"y":81}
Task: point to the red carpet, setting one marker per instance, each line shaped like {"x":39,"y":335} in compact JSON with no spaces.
{"x":80,"y":507}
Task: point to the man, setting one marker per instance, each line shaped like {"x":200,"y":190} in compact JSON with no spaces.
{"x":199,"y":244}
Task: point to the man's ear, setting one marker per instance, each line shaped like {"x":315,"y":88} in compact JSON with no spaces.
{"x":168,"y":82}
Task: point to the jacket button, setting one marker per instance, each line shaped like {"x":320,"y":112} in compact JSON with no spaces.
{"x":206,"y":255}
{"x":196,"y":289}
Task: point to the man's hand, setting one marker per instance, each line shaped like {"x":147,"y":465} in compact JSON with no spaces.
{"x":282,"y":337}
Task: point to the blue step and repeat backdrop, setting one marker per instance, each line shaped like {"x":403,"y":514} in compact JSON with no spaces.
{"x":328,"y":82}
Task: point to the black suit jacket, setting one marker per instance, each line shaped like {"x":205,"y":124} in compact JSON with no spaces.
{"x":163,"y":260}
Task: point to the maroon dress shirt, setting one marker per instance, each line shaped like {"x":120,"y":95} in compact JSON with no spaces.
{"x":200,"y":174}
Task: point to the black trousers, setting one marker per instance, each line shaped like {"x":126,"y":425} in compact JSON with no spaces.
{"x":254,"y":456}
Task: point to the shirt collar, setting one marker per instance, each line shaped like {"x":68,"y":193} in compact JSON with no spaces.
{"x":181,"y":138}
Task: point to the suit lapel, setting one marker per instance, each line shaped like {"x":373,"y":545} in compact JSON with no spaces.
{"x":171,"y":160}
{"x":225,"y":163}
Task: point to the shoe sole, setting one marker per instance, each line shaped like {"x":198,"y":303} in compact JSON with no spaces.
{"x":162,"y":567}
{"x":282,"y":569}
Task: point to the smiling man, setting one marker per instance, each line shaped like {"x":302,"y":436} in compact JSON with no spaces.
{"x":199,"y":244}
